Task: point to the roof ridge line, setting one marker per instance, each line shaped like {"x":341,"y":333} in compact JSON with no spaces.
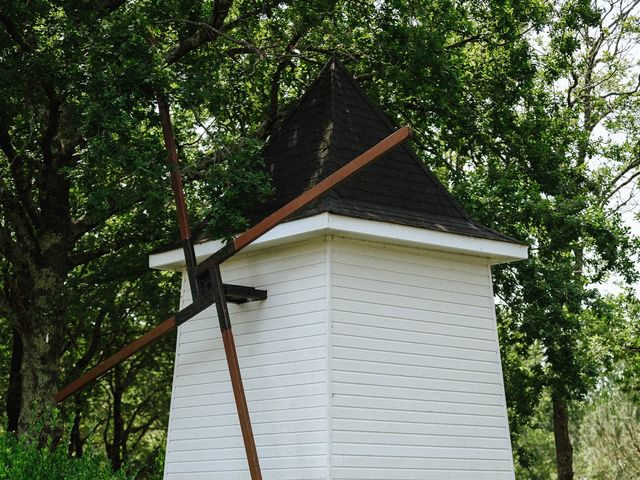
{"x":387,"y":121}
{"x":298,"y":103}
{"x":331,"y":164}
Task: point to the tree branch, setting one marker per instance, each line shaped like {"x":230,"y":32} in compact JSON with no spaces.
{"x":261,"y":9}
{"x":84,"y":225}
{"x":144,"y":428}
{"x":204,"y":34}
{"x":620,"y":186}
{"x":13,"y":215}
{"x":465,"y":41}
{"x":109,"y":6}
{"x":86,"y":358}
{"x":274,"y":89}
{"x":572,"y":86}
{"x":628,"y":93}
{"x":247,"y":46}
{"x":9,"y":248}
{"x":142,"y":404}
{"x":81,"y":258}
{"x":26,"y":44}
{"x":20,"y":181}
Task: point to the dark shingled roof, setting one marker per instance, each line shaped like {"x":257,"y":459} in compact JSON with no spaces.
{"x":332,"y":124}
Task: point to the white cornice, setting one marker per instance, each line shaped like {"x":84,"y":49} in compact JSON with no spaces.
{"x":495,"y":251}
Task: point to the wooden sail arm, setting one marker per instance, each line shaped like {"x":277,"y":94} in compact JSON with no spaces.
{"x":206,"y":283}
{"x":206,"y":298}
{"x":233,"y":293}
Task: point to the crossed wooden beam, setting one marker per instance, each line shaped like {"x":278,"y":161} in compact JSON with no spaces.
{"x":205,"y":280}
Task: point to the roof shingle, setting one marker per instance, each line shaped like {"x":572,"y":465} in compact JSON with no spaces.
{"x":333,"y":123}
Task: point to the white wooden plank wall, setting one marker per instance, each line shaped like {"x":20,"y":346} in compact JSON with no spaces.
{"x":417,"y":389}
{"x":282,"y":350}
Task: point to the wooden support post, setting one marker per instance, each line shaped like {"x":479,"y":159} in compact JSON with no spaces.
{"x":234,"y":373}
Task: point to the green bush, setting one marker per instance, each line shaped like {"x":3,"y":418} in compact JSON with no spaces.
{"x":22,"y":460}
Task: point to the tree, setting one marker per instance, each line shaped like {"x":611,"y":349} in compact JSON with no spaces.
{"x":53,"y":139}
{"x":82,"y":165}
{"x":124,"y":412}
{"x":609,"y":439}
{"x":565,"y":203}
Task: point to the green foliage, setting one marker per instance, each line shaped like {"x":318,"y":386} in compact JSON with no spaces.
{"x":126,"y":413}
{"x":23,"y":460}
{"x":534,"y":455}
{"x":551,"y":185}
{"x":609,"y":439}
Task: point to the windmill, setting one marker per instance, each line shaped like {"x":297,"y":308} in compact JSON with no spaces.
{"x":205,"y":279}
{"x":376,"y":353}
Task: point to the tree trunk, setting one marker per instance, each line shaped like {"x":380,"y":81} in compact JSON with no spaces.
{"x":118,"y":420}
{"x":40,"y":369}
{"x":40,"y":288}
{"x":564,"y":449}
{"x":14,"y":390}
{"x":75,"y":440}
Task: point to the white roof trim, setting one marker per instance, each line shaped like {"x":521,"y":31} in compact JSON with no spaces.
{"x":496,"y":251}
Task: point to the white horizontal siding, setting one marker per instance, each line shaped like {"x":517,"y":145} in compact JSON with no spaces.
{"x":280,"y":473}
{"x":282,"y":351}
{"x":414,"y":389}
{"x":416,"y":381}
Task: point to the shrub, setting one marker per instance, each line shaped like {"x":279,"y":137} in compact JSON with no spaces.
{"x":609,"y":441}
{"x":22,"y":460}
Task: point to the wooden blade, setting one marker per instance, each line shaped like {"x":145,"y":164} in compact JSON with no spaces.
{"x":178,"y":194}
{"x":176,"y":179}
{"x":234,"y":373}
{"x":100,"y":369}
{"x":151,"y":336}
{"x":241,"y":404}
{"x":305,"y":198}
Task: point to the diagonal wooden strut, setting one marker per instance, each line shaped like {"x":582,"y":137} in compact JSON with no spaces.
{"x":216,"y":288}
{"x":234,"y":373}
{"x":178,"y":195}
{"x":201,"y":300}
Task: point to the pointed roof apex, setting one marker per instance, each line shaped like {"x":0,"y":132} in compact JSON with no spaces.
{"x":334,"y":122}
